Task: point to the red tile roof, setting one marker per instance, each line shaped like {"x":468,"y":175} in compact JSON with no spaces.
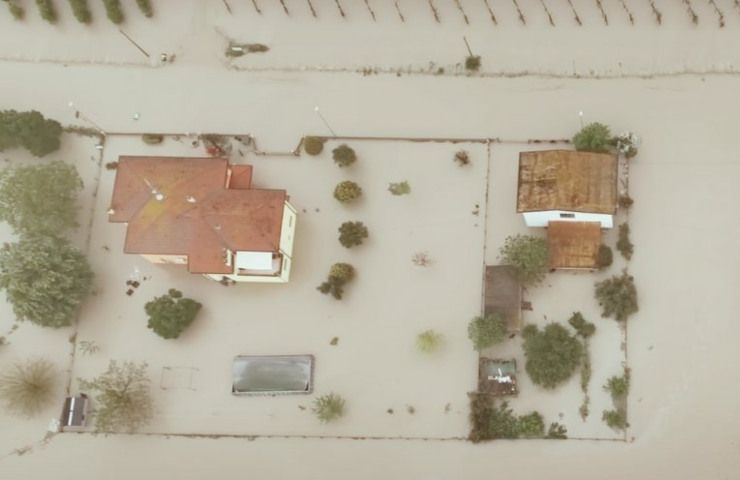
{"x":182,"y":206}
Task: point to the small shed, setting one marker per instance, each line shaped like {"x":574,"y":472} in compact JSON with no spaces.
{"x":503,"y":295}
{"x":74,"y":413}
{"x":574,"y":245}
{"x":497,"y":377}
{"x":272,"y":374}
{"x":567,"y":185}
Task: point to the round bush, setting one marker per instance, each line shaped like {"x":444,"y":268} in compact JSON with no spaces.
{"x":347,"y":191}
{"x":171,"y":314}
{"x":553,"y":355}
{"x":313,"y":145}
{"x":594,"y":137}
{"x":344,"y":156}
{"x":352,"y":234}
{"x":487,"y":331}
{"x":604,"y":257}
{"x":342,"y":272}
{"x":328,"y":407}
{"x":529,"y":255}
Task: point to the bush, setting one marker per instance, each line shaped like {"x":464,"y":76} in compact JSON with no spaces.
{"x":605,"y":257}
{"x":29,"y":130}
{"x":617,"y":296}
{"x":146,"y":8}
{"x":347,"y":191}
{"x":113,"y":11}
{"x":462,"y":158}
{"x":352,"y":234}
{"x":582,"y":327}
{"x":618,"y":387}
{"x":529,"y":255}
{"x":557,"y":431}
{"x":328,"y":407}
{"x":81,"y":10}
{"x":313,"y":145}
{"x":339,"y":275}
{"x":616,"y":419}
{"x":490,"y":421}
{"x":16,"y":10}
{"x":429,"y":341}
{"x":472,"y":63}
{"x":123,"y":402}
{"x":552,"y":354}
{"x":27,"y":388}
{"x":45,"y":279}
{"x":531,"y":425}
{"x":625,"y":201}
{"x":171,"y":314}
{"x":399,"y":188}
{"x":40,"y":199}
{"x":46,"y":9}
{"x":344,"y":156}
{"x":487,"y":331}
{"x":152,"y":138}
{"x":594,"y":137}
{"x":624,"y":245}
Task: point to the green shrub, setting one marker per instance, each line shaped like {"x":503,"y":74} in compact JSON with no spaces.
{"x":146,"y":7}
{"x":605,"y":257}
{"x":557,"y":431}
{"x":399,"y":188}
{"x":531,"y":425}
{"x":328,"y":408}
{"x":152,"y":138}
{"x":616,"y":419}
{"x":47,"y":11}
{"x":45,"y":279}
{"x":584,"y":328}
{"x":347,"y":191}
{"x":113,"y":11}
{"x":27,"y":388}
{"x":490,"y":421}
{"x":624,"y":245}
{"x":344,"y":156}
{"x":487,"y":331}
{"x":170,"y":314}
{"x":594,"y":137}
{"x":529,"y":255}
{"x":339,"y":275}
{"x":429,"y":341}
{"x":313,"y":145}
{"x":81,"y":10}
{"x":618,"y":387}
{"x":29,"y":130}
{"x":472,"y":63}
{"x":617,"y":296}
{"x":352,"y":234}
{"x":552,"y":354}
{"x":16,"y":10}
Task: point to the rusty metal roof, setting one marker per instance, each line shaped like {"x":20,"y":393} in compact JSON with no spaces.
{"x":574,"y":244}
{"x":182,"y":206}
{"x":567,"y":180}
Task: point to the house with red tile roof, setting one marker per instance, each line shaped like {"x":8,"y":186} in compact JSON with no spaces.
{"x":203,"y":213}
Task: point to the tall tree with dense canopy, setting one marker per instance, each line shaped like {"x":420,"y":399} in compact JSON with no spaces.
{"x":617,"y":296}
{"x":529,"y":255}
{"x":171,"y":314}
{"x":45,"y":279}
{"x":553,"y":354}
{"x":40,"y":199}
{"x":123,"y":401}
{"x":29,"y":130}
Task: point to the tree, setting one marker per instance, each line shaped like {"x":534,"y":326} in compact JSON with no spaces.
{"x":624,"y":245}
{"x":344,"y":156}
{"x":429,"y":341}
{"x":618,"y":387}
{"x":81,"y":10}
{"x":146,"y":8}
{"x":328,"y":407}
{"x":46,"y":9}
{"x":16,"y":10}
{"x":605,"y":257}
{"x":529,"y":255}
{"x":113,"y":11}
{"x":347,"y":191}
{"x":582,"y":327}
{"x":313,"y":145}
{"x":616,"y":419}
{"x":552,"y":354}
{"x":171,"y":314}
{"x":339,"y":275}
{"x":27,"y":388}
{"x":352,"y":234}
{"x":123,"y":398}
{"x":45,"y":279}
{"x":472,"y":63}
{"x":617,"y":296}
{"x":594,"y":137}
{"x":40,"y":199}
{"x":487,"y":331}
{"x":399,"y":188}
{"x":29,"y":130}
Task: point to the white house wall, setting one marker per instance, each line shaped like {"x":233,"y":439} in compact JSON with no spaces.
{"x":287,"y":231}
{"x":541,"y":219}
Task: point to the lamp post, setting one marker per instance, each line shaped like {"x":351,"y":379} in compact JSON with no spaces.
{"x":318,"y":112}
